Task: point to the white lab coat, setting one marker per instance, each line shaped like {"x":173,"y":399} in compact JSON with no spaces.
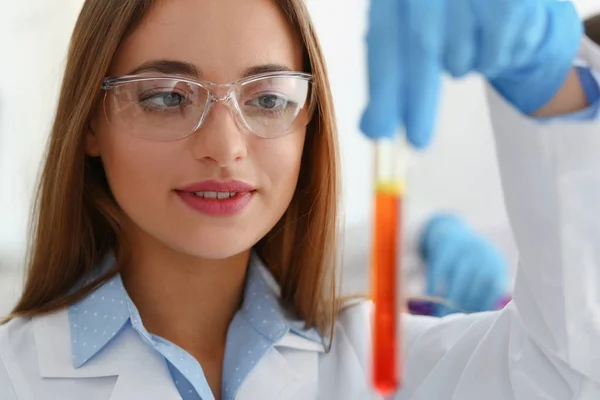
{"x":544,"y":345}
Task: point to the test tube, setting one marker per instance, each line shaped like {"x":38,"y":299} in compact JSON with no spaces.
{"x":390,"y":170}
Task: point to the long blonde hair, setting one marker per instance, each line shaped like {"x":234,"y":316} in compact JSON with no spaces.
{"x":75,"y":222}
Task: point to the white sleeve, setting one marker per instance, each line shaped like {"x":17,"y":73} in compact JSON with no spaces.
{"x":545,"y":344}
{"x":551,"y":179}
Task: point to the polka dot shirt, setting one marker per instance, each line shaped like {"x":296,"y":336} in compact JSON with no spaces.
{"x":255,"y":328}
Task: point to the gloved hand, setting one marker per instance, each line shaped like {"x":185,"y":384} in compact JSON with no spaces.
{"x":462,"y":267}
{"x":525,"y":48}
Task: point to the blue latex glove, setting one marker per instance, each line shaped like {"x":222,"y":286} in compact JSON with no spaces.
{"x":525,"y":48}
{"x":462,"y":267}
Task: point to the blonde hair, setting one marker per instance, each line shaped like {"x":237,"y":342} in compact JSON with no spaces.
{"x":76,"y":221}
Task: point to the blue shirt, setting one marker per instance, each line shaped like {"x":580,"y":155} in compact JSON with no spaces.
{"x":255,"y":328}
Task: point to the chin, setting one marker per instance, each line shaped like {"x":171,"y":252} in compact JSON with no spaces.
{"x":216,"y":245}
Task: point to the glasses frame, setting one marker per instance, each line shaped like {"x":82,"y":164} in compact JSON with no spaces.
{"x":229,"y":89}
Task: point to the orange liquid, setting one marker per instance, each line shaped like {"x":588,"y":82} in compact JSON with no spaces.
{"x":386,"y":369}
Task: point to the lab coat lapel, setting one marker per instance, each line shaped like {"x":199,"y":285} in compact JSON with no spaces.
{"x":140,"y":372}
{"x":144,"y":375}
{"x":53,"y":342}
{"x":287,"y":371}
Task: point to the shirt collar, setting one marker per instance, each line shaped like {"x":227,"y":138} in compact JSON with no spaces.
{"x":262,"y":297}
{"x":99,"y":317}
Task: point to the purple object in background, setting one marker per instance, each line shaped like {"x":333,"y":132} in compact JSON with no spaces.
{"x":420,"y":307}
{"x":426,"y":307}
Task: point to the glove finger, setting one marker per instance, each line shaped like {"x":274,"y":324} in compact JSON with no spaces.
{"x":440,"y":266}
{"x":461,"y":282}
{"x":478,"y":296}
{"x":384,"y":69}
{"x":489,"y":279}
{"x":425,"y":42}
{"x":532,"y":31}
{"x":459,"y":51}
{"x":498,"y":289}
{"x":439,"y":228}
{"x":500,"y":22}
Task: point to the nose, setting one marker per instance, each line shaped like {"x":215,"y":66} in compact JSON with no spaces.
{"x":220,"y":141}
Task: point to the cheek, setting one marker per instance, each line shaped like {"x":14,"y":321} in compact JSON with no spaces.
{"x":280,"y":161}
{"x":135,"y":168}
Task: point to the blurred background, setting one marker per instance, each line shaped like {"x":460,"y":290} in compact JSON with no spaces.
{"x":458,"y":173}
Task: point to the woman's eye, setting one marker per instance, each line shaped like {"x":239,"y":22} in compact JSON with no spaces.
{"x":269,"y":102}
{"x":163,"y":100}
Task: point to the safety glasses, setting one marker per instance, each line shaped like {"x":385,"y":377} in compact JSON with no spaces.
{"x":166,"y":108}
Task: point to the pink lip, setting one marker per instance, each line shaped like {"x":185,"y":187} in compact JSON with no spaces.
{"x":217,"y":207}
{"x":216,"y":186}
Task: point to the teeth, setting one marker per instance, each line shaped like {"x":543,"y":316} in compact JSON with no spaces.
{"x":215,"y":195}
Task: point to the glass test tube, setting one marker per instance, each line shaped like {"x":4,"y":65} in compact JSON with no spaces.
{"x":390,"y":171}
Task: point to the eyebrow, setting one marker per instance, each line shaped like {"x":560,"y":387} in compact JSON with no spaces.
{"x":261,"y":69}
{"x":167,"y":67}
{"x":184,"y":68}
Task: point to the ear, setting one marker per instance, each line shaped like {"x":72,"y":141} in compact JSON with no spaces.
{"x":92,"y":147}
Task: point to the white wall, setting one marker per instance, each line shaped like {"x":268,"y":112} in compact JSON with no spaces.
{"x":33,"y":40}
{"x":33,"y":46}
{"x":458,"y":173}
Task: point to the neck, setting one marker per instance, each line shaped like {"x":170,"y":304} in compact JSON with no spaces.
{"x":184,"y":299}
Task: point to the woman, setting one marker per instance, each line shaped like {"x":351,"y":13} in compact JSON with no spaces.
{"x":186,"y":248}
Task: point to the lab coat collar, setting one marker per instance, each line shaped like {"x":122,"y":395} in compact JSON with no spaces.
{"x":289,"y":369}
{"x":266,"y":325}
{"x":284,"y":374}
{"x":290,"y":352}
{"x":262,"y":292}
{"x":125,"y":356}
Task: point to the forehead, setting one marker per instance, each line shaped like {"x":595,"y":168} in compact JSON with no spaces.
{"x":220,"y":37}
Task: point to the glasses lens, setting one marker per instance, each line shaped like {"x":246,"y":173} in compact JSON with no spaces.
{"x":159,"y":109}
{"x":275,"y":106}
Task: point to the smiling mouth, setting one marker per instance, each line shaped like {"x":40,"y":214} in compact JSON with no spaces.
{"x":216,"y":195}
{"x":217,"y":203}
